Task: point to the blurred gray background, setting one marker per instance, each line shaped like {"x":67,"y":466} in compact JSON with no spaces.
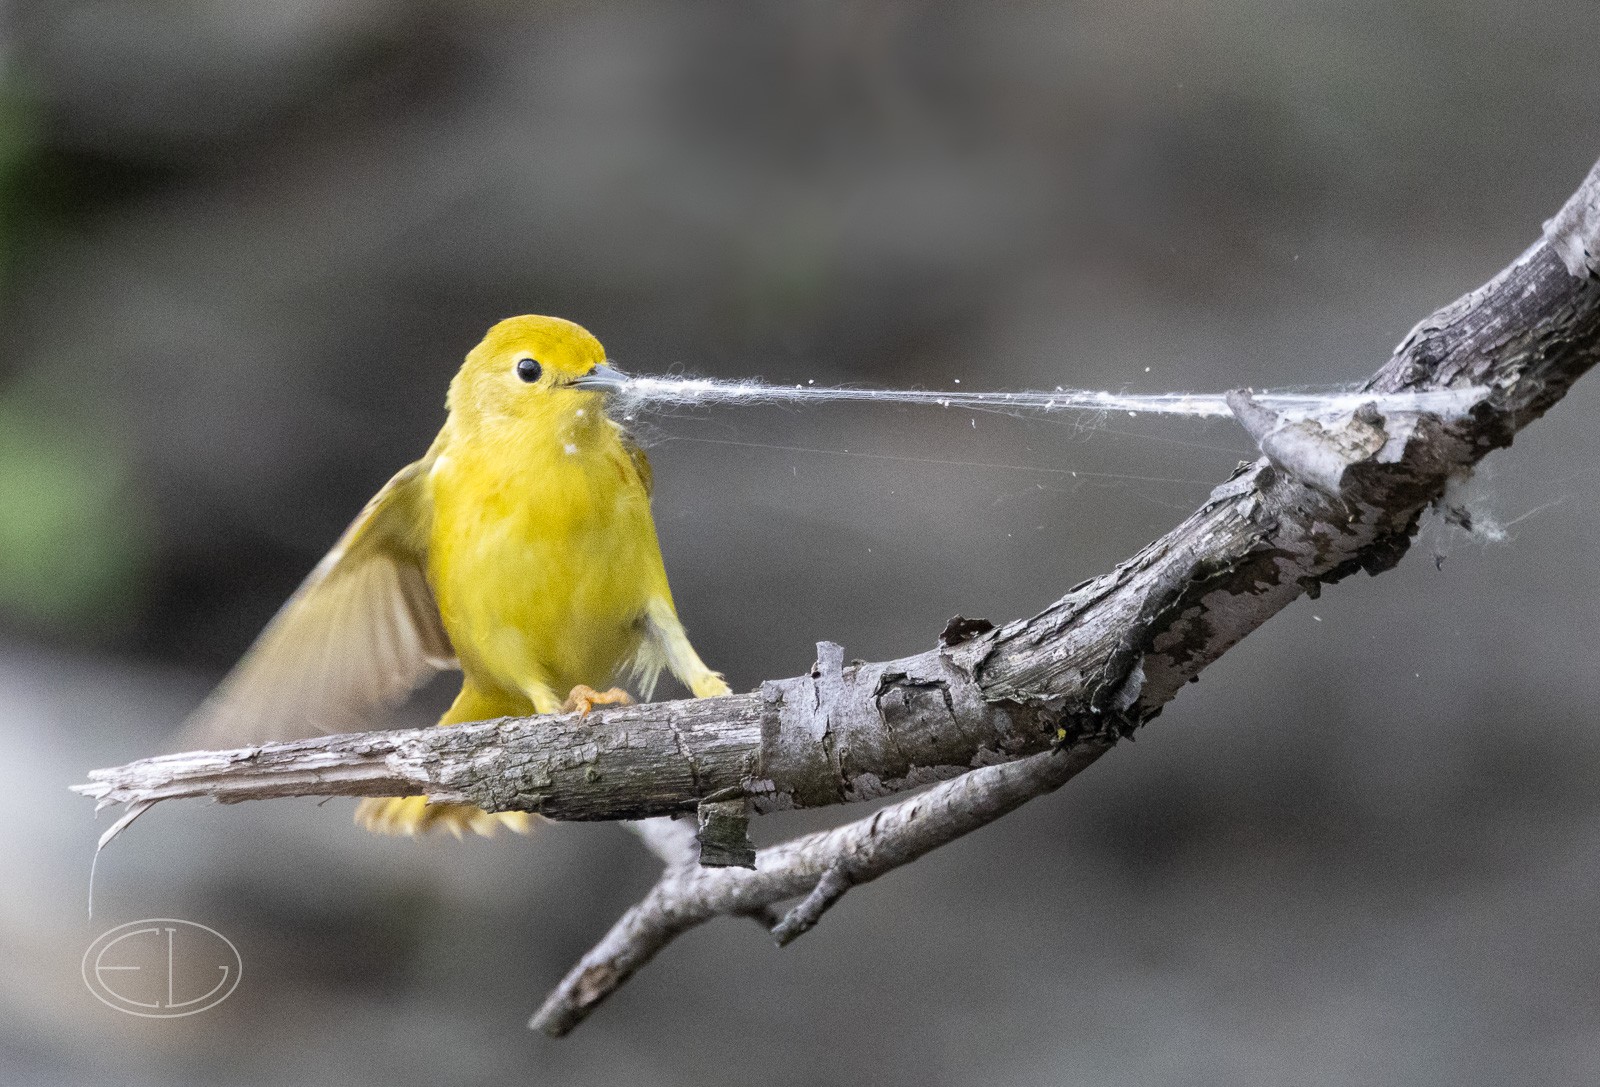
{"x":244,"y":245}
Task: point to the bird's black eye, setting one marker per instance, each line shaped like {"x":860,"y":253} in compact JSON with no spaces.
{"x":529,"y":370}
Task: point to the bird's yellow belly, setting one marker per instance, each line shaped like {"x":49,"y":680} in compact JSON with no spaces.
{"x":543,"y":588}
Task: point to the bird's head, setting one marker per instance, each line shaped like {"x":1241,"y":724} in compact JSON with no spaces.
{"x":533,"y":368}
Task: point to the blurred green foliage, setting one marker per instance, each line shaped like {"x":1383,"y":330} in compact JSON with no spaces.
{"x":73,"y":536}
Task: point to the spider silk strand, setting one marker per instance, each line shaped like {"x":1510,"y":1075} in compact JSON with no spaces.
{"x":669,"y":392}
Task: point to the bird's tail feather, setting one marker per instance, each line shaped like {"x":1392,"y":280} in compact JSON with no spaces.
{"x":413,"y":816}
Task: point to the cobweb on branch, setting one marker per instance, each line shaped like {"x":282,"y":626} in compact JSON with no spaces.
{"x":1188,"y":437}
{"x":643,"y":393}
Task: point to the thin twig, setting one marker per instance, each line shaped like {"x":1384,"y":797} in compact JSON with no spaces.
{"x":803,"y":917}
{"x":875,"y":845}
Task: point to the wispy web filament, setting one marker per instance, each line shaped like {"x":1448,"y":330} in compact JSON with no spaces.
{"x":668,"y":392}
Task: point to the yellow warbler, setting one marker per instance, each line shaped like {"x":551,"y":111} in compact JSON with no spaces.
{"x":520,"y":549}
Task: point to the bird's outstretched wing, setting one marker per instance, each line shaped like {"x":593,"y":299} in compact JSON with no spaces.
{"x":354,"y":640}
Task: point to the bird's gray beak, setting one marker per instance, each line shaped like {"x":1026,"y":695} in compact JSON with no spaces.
{"x":602,"y":379}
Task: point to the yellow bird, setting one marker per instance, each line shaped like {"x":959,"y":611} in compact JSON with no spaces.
{"x":520,"y":549}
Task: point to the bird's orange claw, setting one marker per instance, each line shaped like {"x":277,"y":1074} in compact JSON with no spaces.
{"x":583,"y":699}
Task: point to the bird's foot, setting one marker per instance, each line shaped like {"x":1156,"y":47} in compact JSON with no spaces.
{"x":583,"y":699}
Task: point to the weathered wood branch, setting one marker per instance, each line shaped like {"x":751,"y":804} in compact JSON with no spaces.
{"x":1009,"y":713}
